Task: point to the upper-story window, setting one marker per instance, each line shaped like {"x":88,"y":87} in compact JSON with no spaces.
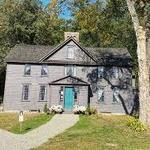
{"x":25,"y":92}
{"x":100,"y":71}
{"x":70,"y":70}
{"x":115,"y":71}
{"x":44,"y":70}
{"x":27,"y":69}
{"x":116,"y":98}
{"x":70,"y":52}
{"x":43,"y":93}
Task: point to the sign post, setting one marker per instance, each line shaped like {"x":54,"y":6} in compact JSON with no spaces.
{"x":21,"y":119}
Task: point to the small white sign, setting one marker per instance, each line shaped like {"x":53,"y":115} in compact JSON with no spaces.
{"x":21,"y":117}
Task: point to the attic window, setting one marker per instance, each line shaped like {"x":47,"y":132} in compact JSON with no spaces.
{"x":70,"y":52}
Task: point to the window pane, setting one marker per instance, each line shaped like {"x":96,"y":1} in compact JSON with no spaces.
{"x":70,"y":70}
{"x":25,"y":95}
{"x":100,"y":71}
{"x":115,"y":72}
{"x":44,"y":70}
{"x":70,"y":52}
{"x":42,"y":92}
{"x":101,"y":95}
{"x":27,"y":70}
{"x":115,"y":95}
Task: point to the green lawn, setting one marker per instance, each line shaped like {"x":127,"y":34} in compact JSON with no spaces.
{"x":100,"y":133}
{"x":9,"y":121}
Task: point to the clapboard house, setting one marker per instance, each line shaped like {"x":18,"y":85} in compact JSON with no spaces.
{"x":69,"y":74}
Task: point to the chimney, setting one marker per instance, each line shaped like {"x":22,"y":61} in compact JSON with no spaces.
{"x":74,"y":35}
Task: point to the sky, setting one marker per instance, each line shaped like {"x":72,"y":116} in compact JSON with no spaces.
{"x":65,"y":15}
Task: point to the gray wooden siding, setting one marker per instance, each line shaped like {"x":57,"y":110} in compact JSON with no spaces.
{"x":15,"y":79}
{"x":62,"y":54}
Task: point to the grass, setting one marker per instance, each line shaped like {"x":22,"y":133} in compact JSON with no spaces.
{"x":9,"y":121}
{"x":100,"y":133}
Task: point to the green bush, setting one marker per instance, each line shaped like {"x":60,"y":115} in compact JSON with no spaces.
{"x":45,"y":109}
{"x":135,"y":125}
{"x":91,"y":111}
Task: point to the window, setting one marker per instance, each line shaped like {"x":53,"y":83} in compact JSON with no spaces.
{"x":43,"y":93}
{"x":70,"y":70}
{"x":76,"y":92}
{"x":70,"y":52}
{"x":115,"y":71}
{"x":101,"y":95}
{"x":116,"y":95}
{"x":27,"y":69}
{"x":44,"y":70}
{"x":25,"y":92}
{"x":61,"y":93}
{"x":100,"y":71}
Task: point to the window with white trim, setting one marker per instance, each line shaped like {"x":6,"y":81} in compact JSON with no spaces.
{"x":100,"y":71}
{"x":44,"y":70}
{"x":100,"y":94}
{"x":70,"y":52}
{"x":27,"y":69}
{"x":115,"y":71}
{"x":43,"y":93}
{"x":116,"y":95}
{"x":25,"y":92}
{"x":70,"y":70}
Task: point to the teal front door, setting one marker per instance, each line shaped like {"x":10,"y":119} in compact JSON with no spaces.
{"x":69,"y":98}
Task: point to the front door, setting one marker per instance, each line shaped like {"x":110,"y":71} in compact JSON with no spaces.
{"x":69,"y":98}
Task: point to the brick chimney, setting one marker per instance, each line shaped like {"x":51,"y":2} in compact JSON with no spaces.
{"x":75,"y":35}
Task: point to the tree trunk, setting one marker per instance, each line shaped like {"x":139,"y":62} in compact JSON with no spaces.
{"x":143,"y":64}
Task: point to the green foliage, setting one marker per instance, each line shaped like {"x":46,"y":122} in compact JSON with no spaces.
{"x":91,"y":111}
{"x":31,"y":124}
{"x":135,"y":125}
{"x":99,"y":133}
{"x":45,"y":109}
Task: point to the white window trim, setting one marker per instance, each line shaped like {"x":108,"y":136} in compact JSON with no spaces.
{"x":29,"y":91}
{"x":71,"y":55}
{"x":46,"y":92}
{"x":99,"y":95}
{"x":46,"y":68}
{"x":74,"y":70}
{"x":25,"y":70}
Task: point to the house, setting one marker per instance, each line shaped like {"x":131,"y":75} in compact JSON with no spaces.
{"x":69,"y":74}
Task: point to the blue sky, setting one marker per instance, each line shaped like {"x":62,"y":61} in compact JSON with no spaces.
{"x":65,"y":15}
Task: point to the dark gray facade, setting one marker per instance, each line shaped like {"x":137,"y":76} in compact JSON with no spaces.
{"x":103,"y":82}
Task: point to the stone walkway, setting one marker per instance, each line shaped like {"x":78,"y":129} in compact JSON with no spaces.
{"x":38,"y":136}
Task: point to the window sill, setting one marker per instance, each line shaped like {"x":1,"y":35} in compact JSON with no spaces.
{"x":115,"y":103}
{"x":43,"y":76}
{"x":27,"y":75}
{"x":25,"y":101}
{"x":42,"y":101}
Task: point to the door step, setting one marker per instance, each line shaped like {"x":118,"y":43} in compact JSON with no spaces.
{"x":67,"y":112}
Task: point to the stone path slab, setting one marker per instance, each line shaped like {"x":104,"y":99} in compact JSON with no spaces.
{"x":38,"y":136}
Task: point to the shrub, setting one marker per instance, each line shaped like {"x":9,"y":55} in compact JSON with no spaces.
{"x":56,"y":109}
{"x":91,"y":111}
{"x":45,"y":109}
{"x":135,"y":125}
{"x":79,"y":109}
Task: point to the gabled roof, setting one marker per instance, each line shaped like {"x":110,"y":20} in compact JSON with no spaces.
{"x":64,"y":43}
{"x":69,"y":80}
{"x":27,"y":53}
{"x":38,"y":54}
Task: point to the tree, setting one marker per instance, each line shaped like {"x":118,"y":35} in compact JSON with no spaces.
{"x":142,"y":53}
{"x":28,"y":22}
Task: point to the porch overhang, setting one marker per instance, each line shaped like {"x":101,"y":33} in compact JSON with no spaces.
{"x":69,"y":80}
